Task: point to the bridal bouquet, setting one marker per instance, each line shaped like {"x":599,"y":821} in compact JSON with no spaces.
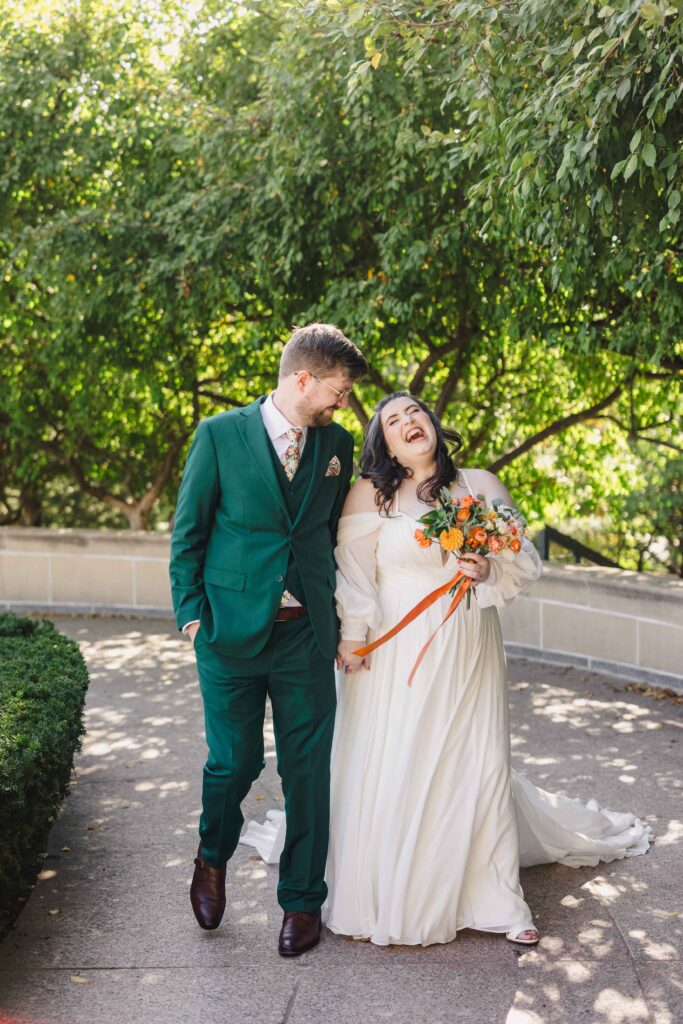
{"x":469,"y":525}
{"x":463,"y":526}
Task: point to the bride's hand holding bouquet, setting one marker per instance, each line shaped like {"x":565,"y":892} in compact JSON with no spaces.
{"x":471,"y":530}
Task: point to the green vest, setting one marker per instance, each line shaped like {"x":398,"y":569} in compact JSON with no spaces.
{"x":294,"y":491}
{"x":239,"y":536}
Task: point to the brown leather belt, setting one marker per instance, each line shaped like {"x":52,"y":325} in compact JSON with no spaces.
{"x":296,"y":611}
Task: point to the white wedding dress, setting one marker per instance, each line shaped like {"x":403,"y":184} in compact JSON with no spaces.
{"x":429,"y":823}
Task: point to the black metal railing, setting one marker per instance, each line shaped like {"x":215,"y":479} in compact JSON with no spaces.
{"x":550,"y":535}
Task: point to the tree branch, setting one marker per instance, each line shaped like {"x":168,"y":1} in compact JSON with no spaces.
{"x":557,"y":427}
{"x":358,"y":408}
{"x":419,"y":380}
{"x":376,"y":378}
{"x":136,"y":511}
{"x":149,"y":498}
{"x":447,"y":392}
{"x":636,"y":433}
{"x":230,"y":402}
{"x":664,"y":444}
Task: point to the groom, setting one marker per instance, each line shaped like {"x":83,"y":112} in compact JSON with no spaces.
{"x":253,"y":577}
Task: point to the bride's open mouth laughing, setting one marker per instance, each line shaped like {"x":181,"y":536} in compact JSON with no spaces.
{"x":414,"y":434}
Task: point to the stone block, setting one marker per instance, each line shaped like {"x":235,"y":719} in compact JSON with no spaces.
{"x":24,"y":577}
{"x":152,"y":583}
{"x":589,"y":632}
{"x":521,"y":622}
{"x":118,"y":543}
{"x":95,"y":581}
{"x":618,"y":591}
{"x":661,"y":647}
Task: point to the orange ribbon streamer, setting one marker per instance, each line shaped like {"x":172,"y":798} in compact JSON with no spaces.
{"x":420,"y":607}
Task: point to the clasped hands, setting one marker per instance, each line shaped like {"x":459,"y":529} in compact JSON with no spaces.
{"x":349,"y":662}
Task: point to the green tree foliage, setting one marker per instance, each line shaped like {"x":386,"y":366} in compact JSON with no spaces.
{"x":189,"y":193}
{"x":113,"y":330}
{"x":571,"y":115}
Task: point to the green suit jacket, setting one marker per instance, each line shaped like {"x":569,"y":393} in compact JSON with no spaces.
{"x":232,"y":534}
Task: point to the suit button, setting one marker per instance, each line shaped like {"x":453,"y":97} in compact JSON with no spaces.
{"x":279,"y":579}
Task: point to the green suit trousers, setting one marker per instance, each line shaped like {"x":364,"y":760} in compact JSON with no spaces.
{"x":299,"y":680}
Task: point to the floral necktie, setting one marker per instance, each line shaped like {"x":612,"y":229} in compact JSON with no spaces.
{"x":292,"y":456}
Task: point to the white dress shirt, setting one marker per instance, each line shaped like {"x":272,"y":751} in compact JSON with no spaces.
{"x":276,"y":426}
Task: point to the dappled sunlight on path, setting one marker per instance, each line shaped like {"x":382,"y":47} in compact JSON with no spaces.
{"x":108,"y":934}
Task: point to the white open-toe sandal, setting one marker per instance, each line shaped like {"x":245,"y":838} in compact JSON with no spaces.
{"x":514,"y":936}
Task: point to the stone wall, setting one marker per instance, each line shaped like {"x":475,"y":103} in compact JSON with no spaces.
{"x":84,"y":570}
{"x":625,"y":623}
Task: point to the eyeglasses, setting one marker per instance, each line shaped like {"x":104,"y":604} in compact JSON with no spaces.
{"x":341,"y":395}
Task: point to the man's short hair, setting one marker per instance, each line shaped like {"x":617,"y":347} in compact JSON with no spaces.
{"x":322,"y":349}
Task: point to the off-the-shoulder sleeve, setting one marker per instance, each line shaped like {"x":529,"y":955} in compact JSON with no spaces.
{"x":510,"y":575}
{"x":356,"y":556}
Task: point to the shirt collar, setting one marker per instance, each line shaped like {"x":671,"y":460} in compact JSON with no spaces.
{"x":275,"y":422}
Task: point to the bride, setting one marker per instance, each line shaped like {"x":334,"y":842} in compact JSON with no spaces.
{"x":429,"y":823}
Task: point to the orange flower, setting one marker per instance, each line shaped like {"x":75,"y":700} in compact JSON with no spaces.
{"x":477,"y":536}
{"x":451,"y":540}
{"x":463,"y":514}
{"x":423,"y":541}
{"x":515,"y":544}
{"x":467,"y":501}
{"x":496,"y":544}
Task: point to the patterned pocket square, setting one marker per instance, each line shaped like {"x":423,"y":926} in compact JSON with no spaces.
{"x":334,"y":468}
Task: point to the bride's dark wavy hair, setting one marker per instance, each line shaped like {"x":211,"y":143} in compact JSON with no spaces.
{"x":387,"y":473}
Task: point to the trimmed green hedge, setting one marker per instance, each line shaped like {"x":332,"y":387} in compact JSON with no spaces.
{"x":43,"y":682}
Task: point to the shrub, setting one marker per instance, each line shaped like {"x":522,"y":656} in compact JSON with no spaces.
{"x":43,"y":681}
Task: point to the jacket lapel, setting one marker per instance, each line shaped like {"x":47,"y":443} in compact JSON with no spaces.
{"x":253,"y":433}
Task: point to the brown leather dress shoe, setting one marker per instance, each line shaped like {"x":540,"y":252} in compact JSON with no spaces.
{"x":207,"y":893}
{"x":300,"y":931}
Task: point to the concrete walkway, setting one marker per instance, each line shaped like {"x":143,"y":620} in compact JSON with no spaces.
{"x":108,"y":936}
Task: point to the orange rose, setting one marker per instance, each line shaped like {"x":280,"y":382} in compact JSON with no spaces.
{"x":477,"y":536}
{"x":468,"y":501}
{"x":423,"y":541}
{"x":515,"y":544}
{"x":463,"y":514}
{"x":451,"y":540}
{"x":496,"y":544}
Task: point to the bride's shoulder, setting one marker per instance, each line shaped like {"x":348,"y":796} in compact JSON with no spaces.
{"x":484,"y":482}
{"x":361,"y":498}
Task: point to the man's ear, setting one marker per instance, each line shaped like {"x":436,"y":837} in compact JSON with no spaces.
{"x":302,"y":379}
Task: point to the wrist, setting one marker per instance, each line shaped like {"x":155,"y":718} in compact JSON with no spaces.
{"x":354,"y":631}
{"x":493,"y":573}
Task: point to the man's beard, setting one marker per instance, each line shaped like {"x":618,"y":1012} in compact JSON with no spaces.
{"x":309,"y":417}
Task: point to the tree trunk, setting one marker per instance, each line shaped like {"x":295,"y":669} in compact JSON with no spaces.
{"x":136,"y":514}
{"x":31,"y":508}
